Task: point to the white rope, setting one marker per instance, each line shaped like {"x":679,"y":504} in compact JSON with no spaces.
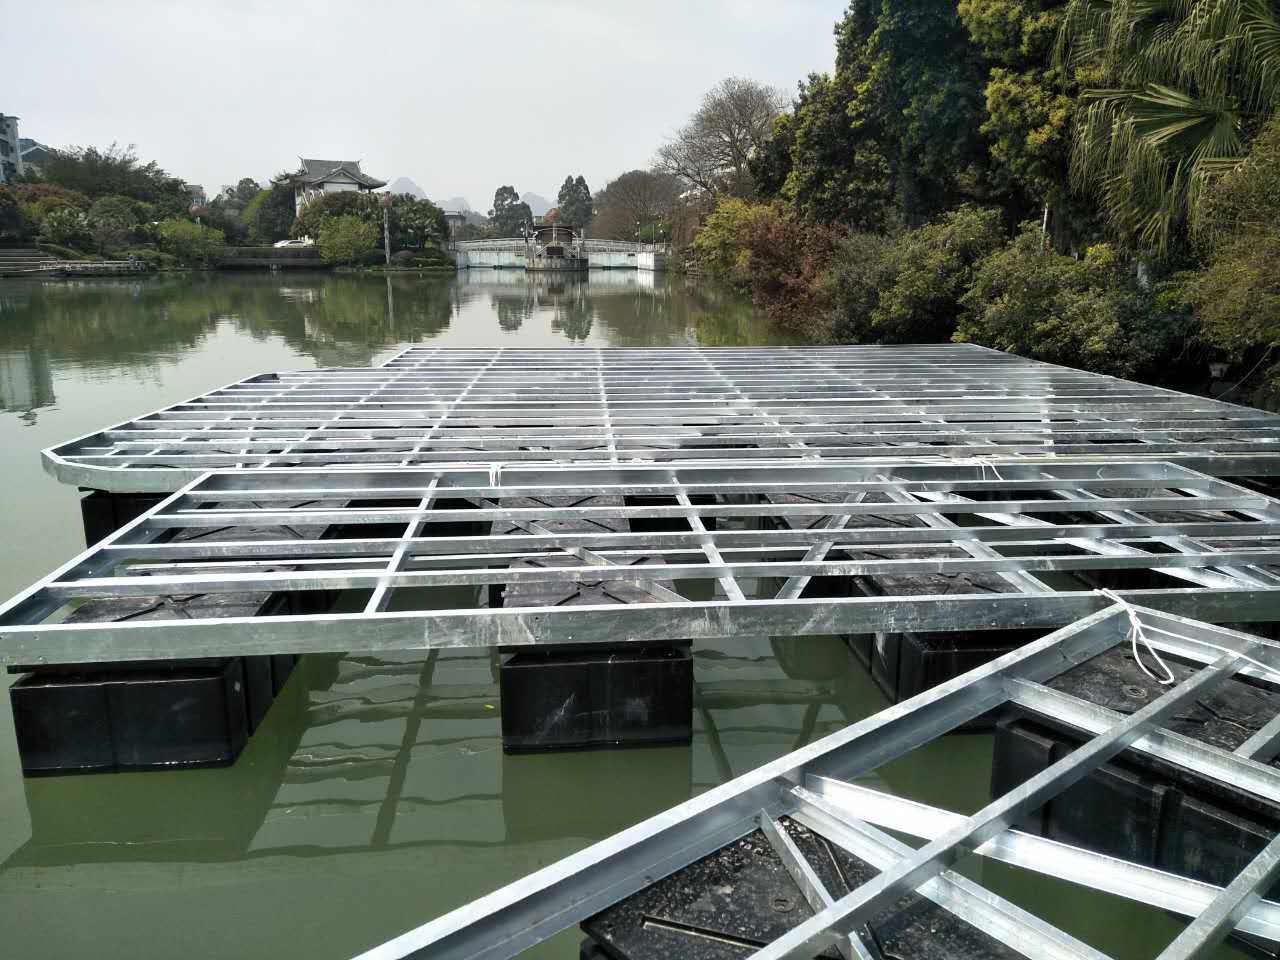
{"x":985,"y":463}
{"x":1138,"y":634}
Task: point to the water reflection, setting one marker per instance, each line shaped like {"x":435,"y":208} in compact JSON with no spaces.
{"x":346,"y":320}
{"x":26,"y":381}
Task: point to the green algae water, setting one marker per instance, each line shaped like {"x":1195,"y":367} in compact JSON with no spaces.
{"x":376,"y":795}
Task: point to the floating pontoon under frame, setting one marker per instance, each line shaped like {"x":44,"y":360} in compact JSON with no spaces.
{"x":813,"y":786}
{"x":770,"y":550}
{"x":434,"y":405}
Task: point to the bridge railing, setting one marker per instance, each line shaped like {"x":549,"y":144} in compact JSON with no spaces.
{"x":625,"y":246}
{"x":504,"y":243}
{"x":600,"y":246}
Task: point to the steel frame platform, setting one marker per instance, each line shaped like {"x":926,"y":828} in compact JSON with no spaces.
{"x":435,"y":405}
{"x":721,"y":551}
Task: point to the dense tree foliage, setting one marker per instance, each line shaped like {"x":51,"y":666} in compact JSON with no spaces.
{"x":1238,"y":294}
{"x":837,"y":171}
{"x":574,"y":204}
{"x":343,"y":239}
{"x":268,"y":216}
{"x":115,"y":171}
{"x":13,"y":225}
{"x":1092,"y":183}
{"x":1180,"y":89}
{"x":66,"y":227}
{"x":1088,"y":312}
{"x":721,"y":248}
{"x":413,"y":223}
{"x":112,"y":221}
{"x":509,"y":214}
{"x":191,"y":243}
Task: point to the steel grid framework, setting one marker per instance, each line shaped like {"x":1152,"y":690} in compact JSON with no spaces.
{"x":813,"y":786}
{"x":682,"y":553}
{"x":435,"y":405}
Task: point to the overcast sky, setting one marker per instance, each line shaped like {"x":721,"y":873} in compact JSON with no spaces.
{"x":458,"y":96}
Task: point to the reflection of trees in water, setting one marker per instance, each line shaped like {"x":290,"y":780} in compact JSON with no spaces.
{"x":719,"y":317}
{"x":135,"y":325}
{"x":573,"y":319}
{"x":622,"y":307}
{"x":511,"y":310}
{"x":563,"y":295}
{"x":570,"y":294}
{"x":334,"y":319}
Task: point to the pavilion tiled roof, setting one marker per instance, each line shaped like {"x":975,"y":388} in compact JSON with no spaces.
{"x":318,"y":171}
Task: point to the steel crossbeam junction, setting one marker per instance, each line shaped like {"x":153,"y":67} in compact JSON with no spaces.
{"x":663,"y":552}
{"x":817,"y":787}
{"x":433,"y":406}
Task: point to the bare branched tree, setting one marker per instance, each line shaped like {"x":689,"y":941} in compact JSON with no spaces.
{"x":634,"y":202}
{"x":711,"y":151}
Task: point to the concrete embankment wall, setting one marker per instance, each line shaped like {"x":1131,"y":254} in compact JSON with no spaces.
{"x":498,"y":259}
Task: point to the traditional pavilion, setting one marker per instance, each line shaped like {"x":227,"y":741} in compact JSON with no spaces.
{"x":318,"y":177}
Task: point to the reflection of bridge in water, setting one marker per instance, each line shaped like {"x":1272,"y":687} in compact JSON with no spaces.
{"x":525,"y":253}
{"x":595,"y":282}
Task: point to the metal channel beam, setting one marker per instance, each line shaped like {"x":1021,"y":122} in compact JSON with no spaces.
{"x":1133,"y":881}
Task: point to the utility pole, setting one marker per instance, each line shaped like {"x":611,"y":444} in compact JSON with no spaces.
{"x":386,"y":226}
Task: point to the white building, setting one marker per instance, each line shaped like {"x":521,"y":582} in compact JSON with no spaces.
{"x":10,"y":154}
{"x":317,"y":177}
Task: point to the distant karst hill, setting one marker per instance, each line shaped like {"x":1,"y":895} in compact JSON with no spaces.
{"x":405,"y":185}
{"x":538,"y":205}
{"x":457,"y":203}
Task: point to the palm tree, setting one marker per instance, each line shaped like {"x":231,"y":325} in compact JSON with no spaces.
{"x":1174,"y":92}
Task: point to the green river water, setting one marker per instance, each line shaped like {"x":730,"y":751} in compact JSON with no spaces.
{"x":376,"y":796}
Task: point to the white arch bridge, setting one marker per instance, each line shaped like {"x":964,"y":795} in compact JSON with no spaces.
{"x":515,"y":253}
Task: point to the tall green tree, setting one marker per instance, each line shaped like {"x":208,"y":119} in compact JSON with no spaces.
{"x":771,"y":164}
{"x":574,"y":201}
{"x":509,"y":212}
{"x":1030,"y":105}
{"x":892,"y":136}
{"x":838,"y":171}
{"x":918,"y":93}
{"x":269,"y":215}
{"x":1183,"y":85}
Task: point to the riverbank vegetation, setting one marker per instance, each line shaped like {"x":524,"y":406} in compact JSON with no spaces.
{"x":1086,"y":183}
{"x":86,"y":202}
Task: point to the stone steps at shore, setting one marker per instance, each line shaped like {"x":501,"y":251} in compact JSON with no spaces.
{"x":23,"y":259}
